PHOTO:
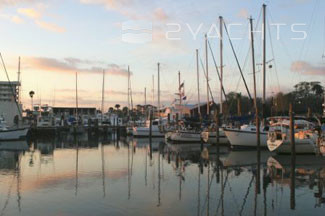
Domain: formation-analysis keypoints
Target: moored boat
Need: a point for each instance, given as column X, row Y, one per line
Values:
column 246, row 136
column 211, row 137
column 145, row 131
column 184, row 136
column 305, row 138
column 11, row 133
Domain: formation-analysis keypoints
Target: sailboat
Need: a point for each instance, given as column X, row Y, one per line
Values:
column 245, row 136
column 77, row 128
column 186, row 135
column 210, row 136
column 156, row 124
column 305, row 138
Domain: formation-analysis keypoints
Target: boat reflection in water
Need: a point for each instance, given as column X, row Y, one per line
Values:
column 85, row 175
column 308, row 173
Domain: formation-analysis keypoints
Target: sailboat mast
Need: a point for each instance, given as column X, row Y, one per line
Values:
column 207, row 72
column 253, row 60
column 145, row 96
column 18, row 98
column 128, row 91
column 264, row 59
column 103, row 90
column 198, row 83
column 159, row 90
column 77, row 97
column 221, row 62
column 179, row 88
column 153, row 89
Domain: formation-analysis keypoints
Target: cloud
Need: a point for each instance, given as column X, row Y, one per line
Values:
column 13, row 18
column 17, row 20
column 302, row 1
column 109, row 4
column 29, row 12
column 306, row 68
column 243, row 13
column 6, row 3
column 160, row 14
column 72, row 65
column 36, row 14
column 49, row 26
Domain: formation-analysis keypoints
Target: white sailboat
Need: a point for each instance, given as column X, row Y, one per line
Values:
column 305, row 138
column 210, row 136
column 77, row 128
column 184, row 136
column 245, row 136
column 145, row 131
column 156, row 125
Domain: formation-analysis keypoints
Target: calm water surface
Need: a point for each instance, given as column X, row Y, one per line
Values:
column 83, row 176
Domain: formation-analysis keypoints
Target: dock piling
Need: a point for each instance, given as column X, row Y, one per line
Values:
column 293, row 158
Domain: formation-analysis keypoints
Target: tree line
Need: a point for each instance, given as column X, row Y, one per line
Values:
column 306, row 98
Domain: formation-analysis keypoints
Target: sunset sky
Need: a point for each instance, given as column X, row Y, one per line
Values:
column 57, row 38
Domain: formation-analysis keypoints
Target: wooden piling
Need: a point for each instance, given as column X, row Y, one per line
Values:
column 218, row 144
column 309, row 113
column 150, row 135
column 258, row 145
column 293, row 159
column 238, row 105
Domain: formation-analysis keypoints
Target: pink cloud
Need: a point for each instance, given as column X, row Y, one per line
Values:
column 50, row 26
column 29, row 12
column 72, row 65
column 160, row 14
column 306, row 68
column 243, row 13
column 109, row 4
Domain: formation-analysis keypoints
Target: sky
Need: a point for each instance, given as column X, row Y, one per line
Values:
column 57, row 39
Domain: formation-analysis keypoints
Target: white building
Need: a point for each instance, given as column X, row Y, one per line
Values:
column 9, row 96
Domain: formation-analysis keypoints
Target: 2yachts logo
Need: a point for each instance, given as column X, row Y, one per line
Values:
column 141, row 31
column 137, row 31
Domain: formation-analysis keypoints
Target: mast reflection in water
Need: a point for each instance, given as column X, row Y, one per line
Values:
column 81, row 175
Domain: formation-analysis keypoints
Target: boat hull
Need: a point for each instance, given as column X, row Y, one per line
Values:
column 211, row 137
column 302, row 146
column 145, row 132
column 184, row 137
column 13, row 134
column 245, row 139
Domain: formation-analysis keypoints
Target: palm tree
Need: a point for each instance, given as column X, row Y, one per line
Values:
column 111, row 110
column 31, row 94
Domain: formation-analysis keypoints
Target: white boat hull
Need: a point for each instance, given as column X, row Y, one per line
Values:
column 145, row 132
column 13, row 134
column 184, row 137
column 240, row 138
column 211, row 137
column 302, row 146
